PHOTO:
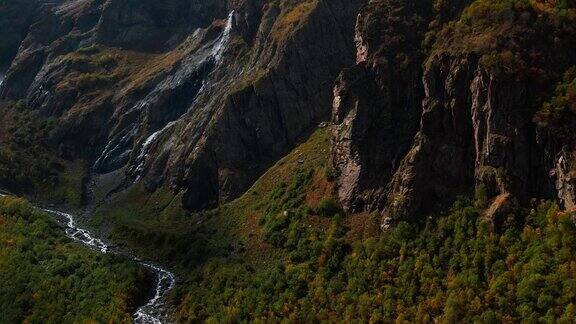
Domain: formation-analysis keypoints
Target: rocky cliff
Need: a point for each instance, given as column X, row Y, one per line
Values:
column 201, row 97
column 430, row 99
column 484, row 78
column 377, row 102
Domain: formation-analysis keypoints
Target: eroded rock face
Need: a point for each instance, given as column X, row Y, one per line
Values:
column 565, row 180
column 377, row 102
column 475, row 116
column 256, row 123
column 200, row 96
column 204, row 96
column 477, row 129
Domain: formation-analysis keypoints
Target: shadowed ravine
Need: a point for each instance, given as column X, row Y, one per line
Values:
column 154, row 310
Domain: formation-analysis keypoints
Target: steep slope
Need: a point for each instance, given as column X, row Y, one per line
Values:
column 377, row 102
column 284, row 250
column 477, row 125
column 485, row 76
column 453, row 121
column 15, row 19
column 200, row 98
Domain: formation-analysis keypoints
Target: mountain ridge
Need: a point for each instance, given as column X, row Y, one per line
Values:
column 311, row 160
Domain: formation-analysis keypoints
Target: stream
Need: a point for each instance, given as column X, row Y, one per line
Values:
column 154, row 311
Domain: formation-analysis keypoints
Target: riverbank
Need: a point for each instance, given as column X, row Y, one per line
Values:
column 46, row 277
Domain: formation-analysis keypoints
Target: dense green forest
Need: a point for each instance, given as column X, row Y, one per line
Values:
column 46, row 278
column 453, row 268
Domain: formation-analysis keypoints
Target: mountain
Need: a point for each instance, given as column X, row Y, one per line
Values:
column 197, row 97
column 344, row 148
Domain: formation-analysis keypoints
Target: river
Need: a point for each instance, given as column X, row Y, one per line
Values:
column 154, row 311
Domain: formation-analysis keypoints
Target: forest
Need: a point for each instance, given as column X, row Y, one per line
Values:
column 457, row 267
column 47, row 278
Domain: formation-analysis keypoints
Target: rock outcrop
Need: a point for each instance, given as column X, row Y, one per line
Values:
column 377, row 103
column 481, row 92
column 564, row 177
column 477, row 123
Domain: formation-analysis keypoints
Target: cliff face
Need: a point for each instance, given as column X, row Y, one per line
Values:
column 377, row 102
column 477, row 125
column 433, row 99
column 274, row 94
column 198, row 96
column 485, row 78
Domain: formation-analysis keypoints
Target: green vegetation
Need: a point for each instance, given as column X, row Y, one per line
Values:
column 46, row 278
column 153, row 224
column 28, row 166
column 558, row 113
column 284, row 257
column 284, row 222
column 285, row 250
column 489, row 13
column 490, row 26
column 156, row 226
column 453, row 269
column 23, row 162
column 88, row 50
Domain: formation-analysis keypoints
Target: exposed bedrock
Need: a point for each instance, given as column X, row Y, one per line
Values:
column 414, row 132
column 377, row 103
column 200, row 96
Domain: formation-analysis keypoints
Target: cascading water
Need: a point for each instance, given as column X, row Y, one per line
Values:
column 220, row 47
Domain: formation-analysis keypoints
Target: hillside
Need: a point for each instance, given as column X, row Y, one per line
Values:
column 285, row 249
column 308, row 160
column 47, row 278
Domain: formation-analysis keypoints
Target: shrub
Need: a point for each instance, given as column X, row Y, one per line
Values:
column 328, row 207
column 558, row 113
column 89, row 50
column 106, row 61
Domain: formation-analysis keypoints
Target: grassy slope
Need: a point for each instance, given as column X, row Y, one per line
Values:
column 236, row 237
column 44, row 277
column 280, row 252
column 157, row 226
